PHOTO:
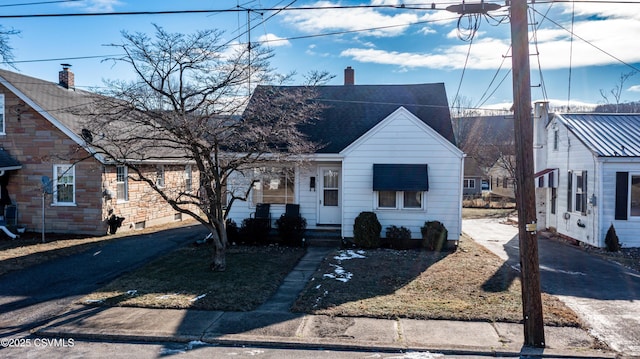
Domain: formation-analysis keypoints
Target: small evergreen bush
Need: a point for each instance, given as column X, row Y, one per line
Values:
column 395, row 233
column 233, row 232
column 434, row 235
column 254, row 230
column 366, row 230
column 611, row 240
column 291, row 229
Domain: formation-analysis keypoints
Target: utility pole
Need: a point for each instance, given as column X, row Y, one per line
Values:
column 525, row 190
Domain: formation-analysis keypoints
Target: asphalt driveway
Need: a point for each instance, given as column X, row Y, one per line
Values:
column 37, row 294
column 605, row 294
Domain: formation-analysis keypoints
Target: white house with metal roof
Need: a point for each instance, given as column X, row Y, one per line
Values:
column 588, row 175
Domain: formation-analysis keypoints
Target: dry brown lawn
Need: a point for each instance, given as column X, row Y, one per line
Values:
column 470, row 284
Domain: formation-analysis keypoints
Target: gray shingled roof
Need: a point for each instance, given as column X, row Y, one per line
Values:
column 606, row 135
column 352, row 110
column 52, row 98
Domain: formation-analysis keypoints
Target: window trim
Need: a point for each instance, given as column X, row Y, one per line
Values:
column 125, row 184
column 188, row 178
column 468, row 181
column 160, row 176
column 630, row 215
column 572, row 192
column 67, row 168
column 399, row 201
column 3, row 118
column 259, row 174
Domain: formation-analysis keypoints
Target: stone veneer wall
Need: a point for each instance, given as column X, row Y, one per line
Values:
column 38, row 146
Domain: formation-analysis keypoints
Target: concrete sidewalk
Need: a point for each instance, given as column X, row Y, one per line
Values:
column 273, row 325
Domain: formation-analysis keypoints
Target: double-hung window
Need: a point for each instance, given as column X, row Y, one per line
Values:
column 400, row 186
column 64, row 184
column 469, row 183
column 577, row 192
column 122, row 186
column 2, row 117
column 188, row 178
column 627, row 201
column 160, row 176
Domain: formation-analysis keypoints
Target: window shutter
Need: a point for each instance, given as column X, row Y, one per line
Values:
column 570, row 191
column 622, row 195
column 584, row 192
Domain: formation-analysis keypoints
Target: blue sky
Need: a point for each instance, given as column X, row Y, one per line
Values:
column 384, row 45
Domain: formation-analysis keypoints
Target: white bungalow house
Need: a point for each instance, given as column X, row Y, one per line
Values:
column 588, row 175
column 388, row 149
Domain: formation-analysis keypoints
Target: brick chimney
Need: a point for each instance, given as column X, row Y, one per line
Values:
column 65, row 77
column 349, row 76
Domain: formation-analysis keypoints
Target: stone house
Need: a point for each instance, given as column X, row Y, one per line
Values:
column 50, row 176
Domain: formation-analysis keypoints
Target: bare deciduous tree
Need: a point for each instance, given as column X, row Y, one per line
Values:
column 616, row 91
column 185, row 106
column 6, row 51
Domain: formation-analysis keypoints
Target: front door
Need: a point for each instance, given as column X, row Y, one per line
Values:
column 330, row 209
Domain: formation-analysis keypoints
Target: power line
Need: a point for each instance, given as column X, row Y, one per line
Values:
column 333, row 33
column 40, row 3
column 212, row 11
column 590, row 43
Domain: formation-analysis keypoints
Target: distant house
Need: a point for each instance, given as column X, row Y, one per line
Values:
column 588, row 175
column 473, row 178
column 44, row 153
column 501, row 177
column 488, row 142
column 388, row 149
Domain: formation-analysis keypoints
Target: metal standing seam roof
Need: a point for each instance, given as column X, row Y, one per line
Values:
column 606, row 135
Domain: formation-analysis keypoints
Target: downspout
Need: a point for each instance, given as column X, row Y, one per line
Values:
column 597, row 238
column 461, row 182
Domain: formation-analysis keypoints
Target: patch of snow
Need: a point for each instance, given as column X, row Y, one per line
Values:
column 344, row 255
column 167, row 351
column 94, row 301
column 560, row 271
column 199, row 297
column 417, row 355
column 195, row 343
column 254, row 352
column 339, row 274
column 326, row 292
column 318, row 286
column 132, row 292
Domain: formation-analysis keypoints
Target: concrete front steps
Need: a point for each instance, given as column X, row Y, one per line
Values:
column 323, row 236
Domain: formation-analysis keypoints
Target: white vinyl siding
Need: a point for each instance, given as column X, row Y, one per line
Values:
column 418, row 144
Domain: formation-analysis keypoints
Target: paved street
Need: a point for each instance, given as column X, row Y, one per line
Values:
column 38, row 294
column 604, row 294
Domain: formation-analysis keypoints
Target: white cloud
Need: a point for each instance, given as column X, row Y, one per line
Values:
column 324, row 20
column 634, row 88
column 273, row 40
column 486, row 54
column 95, row 5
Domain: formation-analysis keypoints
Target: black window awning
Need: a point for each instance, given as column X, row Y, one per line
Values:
column 7, row 162
column 400, row 177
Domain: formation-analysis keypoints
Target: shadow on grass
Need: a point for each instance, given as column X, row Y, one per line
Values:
column 179, row 280
column 352, row 276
